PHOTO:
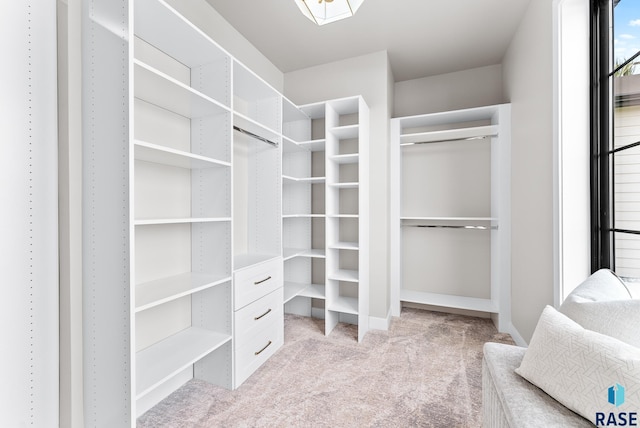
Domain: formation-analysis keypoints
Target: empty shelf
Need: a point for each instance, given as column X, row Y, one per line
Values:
column 448, row 301
column 295, row 289
column 290, row 253
column 449, row 135
column 346, row 132
column 345, row 185
column 185, row 42
column 303, row 216
column 456, row 219
column 346, row 305
column 346, row 275
column 312, row 180
column 153, row 293
column 159, row 362
column 346, row 159
column 167, row 156
column 149, row 222
column 345, row 246
column 164, row 91
column 241, row 261
column 255, row 127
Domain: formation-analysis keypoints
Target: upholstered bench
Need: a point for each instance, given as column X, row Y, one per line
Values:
column 601, row 313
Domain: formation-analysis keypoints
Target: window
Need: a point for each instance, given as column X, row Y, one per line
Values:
column 615, row 169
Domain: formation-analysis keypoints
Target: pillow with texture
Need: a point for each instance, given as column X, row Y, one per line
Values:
column 578, row 366
column 615, row 318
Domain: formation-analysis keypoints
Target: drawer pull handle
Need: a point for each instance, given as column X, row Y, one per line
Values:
column 260, row 351
column 260, row 282
column 257, row 318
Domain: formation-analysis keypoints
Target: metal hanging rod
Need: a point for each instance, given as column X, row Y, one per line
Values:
column 445, row 226
column 256, row 136
column 479, row 137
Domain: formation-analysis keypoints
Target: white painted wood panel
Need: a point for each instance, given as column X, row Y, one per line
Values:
column 29, row 217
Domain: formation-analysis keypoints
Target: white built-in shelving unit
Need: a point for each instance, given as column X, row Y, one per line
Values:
column 258, row 304
column 325, row 211
column 181, row 215
column 450, row 215
column 35, row 280
column 183, row 210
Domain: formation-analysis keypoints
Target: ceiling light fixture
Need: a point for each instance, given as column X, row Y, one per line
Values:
column 326, row 11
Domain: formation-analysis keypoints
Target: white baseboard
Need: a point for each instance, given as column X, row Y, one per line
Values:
column 513, row 331
column 376, row 323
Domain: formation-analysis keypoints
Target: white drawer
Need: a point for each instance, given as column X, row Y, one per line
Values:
column 258, row 315
column 253, row 282
column 261, row 345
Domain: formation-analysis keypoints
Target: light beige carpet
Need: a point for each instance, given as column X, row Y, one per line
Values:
column 424, row 372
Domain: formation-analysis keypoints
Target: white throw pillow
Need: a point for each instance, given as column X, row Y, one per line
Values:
column 577, row 367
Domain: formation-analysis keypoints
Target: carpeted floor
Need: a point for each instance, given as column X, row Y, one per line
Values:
column 424, row 372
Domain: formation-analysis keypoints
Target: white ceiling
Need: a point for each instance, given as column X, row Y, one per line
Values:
column 422, row 37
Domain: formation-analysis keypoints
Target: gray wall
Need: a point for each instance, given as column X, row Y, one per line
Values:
column 463, row 89
column 528, row 84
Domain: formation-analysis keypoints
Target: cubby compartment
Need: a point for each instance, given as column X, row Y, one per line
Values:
column 208, row 66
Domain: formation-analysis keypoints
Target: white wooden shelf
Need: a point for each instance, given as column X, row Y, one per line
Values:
column 345, row 305
column 149, row 152
column 346, row 132
column 345, row 185
column 343, row 215
column 178, row 37
column 290, row 145
column 345, row 246
column 349, row 158
column 295, row 289
column 164, row 91
column 448, row 134
column 158, row 363
column 456, row 219
column 241, row 261
column 304, row 216
column 248, row 124
column 159, row 221
column 448, row 301
column 154, row 293
column 311, row 180
column 346, row 275
column 289, row 253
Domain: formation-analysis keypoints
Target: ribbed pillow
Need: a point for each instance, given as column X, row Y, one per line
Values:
column 578, row 366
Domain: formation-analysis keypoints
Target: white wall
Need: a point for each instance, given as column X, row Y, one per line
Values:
column 212, row 23
column 463, row 89
column 368, row 76
column 528, row 84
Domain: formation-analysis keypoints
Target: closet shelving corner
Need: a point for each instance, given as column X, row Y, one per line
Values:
column 303, row 209
column 347, row 209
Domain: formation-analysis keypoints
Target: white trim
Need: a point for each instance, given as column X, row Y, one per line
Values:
column 377, row 323
column 571, row 261
column 515, row 335
column 557, row 156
